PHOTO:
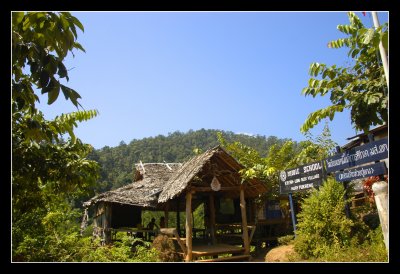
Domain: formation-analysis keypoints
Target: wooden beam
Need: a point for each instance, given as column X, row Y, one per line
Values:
column 244, row 223
column 211, row 208
column 253, row 229
column 208, row 189
column 107, row 223
column 189, row 226
column 178, row 217
column 166, row 214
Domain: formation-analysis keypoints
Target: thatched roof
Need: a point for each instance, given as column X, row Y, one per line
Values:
column 215, row 162
column 157, row 183
column 149, row 182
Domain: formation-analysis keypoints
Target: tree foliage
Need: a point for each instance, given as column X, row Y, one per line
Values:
column 48, row 172
column 117, row 163
column 360, row 87
column 40, row 42
column 280, row 156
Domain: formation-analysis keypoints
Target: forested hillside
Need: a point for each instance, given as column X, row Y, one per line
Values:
column 117, row 163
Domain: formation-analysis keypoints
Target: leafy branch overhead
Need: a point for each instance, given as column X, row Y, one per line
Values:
column 360, row 87
column 40, row 42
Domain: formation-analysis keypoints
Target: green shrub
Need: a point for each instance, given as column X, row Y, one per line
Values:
column 371, row 250
column 285, row 240
column 322, row 224
column 127, row 250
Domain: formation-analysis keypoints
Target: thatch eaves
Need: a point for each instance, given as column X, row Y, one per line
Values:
column 213, row 162
column 149, row 182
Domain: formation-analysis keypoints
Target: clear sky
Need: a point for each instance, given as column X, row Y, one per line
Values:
column 151, row 73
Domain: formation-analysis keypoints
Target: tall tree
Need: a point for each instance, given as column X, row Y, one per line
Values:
column 44, row 165
column 360, row 87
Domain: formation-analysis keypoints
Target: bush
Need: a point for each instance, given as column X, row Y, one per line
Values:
column 128, row 250
column 371, row 250
column 285, row 240
column 322, row 224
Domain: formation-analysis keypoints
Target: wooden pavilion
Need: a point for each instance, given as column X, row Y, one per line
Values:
column 211, row 178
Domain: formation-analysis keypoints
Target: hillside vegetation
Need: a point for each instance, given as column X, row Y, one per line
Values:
column 117, row 163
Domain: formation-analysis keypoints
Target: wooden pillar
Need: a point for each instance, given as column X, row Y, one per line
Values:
column 107, row 223
column 211, row 208
column 189, row 226
column 244, row 223
column 166, row 214
column 178, row 218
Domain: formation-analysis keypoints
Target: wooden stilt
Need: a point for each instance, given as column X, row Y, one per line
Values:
column 178, row 217
column 244, row 223
column 189, row 226
column 166, row 215
column 212, row 218
column 107, row 223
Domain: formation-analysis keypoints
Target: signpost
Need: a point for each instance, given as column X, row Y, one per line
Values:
column 301, row 178
column 361, row 172
column 311, row 175
column 370, row 152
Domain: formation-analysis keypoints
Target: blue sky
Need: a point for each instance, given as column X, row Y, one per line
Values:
column 151, row 73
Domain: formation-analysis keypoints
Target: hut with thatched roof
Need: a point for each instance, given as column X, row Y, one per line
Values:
column 211, row 178
column 122, row 207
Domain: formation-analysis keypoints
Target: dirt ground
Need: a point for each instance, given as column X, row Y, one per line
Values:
column 276, row 254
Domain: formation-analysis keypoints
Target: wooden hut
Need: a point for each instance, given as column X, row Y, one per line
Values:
column 211, row 178
column 121, row 209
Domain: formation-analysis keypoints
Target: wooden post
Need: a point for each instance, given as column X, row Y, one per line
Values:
column 244, row 223
column 178, row 218
column 189, row 226
column 292, row 211
column 107, row 223
column 166, row 214
column 212, row 218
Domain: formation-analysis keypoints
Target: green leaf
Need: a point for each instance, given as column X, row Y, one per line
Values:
column 26, row 24
column 332, row 74
column 368, row 36
column 77, row 23
column 384, row 39
column 315, row 117
column 355, row 52
column 325, row 73
column 62, row 70
column 70, row 94
column 53, row 94
column 79, row 46
column 51, row 66
column 17, row 18
column 44, row 79
column 64, row 22
column 72, row 27
column 66, row 91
